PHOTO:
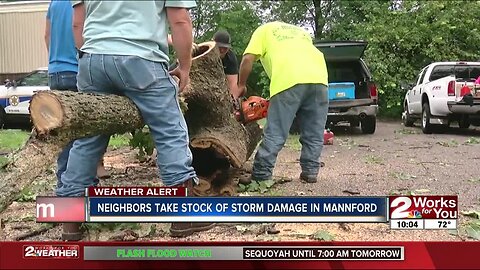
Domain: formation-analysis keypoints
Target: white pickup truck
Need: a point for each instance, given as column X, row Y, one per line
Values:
column 444, row 92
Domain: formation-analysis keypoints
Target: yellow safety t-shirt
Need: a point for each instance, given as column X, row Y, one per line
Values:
column 288, row 56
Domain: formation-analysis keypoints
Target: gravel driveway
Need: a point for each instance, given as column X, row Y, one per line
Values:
column 394, row 160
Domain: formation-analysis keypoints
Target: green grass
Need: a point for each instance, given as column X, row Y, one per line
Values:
column 293, row 143
column 12, row 139
column 118, row 141
column 3, row 162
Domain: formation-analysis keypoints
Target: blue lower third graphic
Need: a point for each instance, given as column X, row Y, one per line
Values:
column 237, row 209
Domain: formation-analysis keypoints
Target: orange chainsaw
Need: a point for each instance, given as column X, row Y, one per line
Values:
column 251, row 109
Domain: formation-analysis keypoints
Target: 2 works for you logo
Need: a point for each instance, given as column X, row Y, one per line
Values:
column 51, row 251
column 425, row 207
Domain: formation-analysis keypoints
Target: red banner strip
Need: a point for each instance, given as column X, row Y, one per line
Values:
column 418, row 255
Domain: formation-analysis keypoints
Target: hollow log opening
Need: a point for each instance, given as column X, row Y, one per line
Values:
column 203, row 49
column 211, row 165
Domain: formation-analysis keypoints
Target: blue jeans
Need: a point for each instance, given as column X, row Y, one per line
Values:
column 66, row 80
column 310, row 103
column 154, row 92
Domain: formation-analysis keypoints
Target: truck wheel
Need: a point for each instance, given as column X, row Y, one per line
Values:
column 407, row 118
column 3, row 116
column 427, row 128
column 368, row 124
column 354, row 123
column 464, row 122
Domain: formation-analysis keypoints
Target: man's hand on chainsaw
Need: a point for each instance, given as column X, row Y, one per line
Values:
column 251, row 109
column 242, row 90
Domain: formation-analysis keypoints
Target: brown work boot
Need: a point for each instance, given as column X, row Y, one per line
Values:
column 72, row 232
column 308, row 178
column 245, row 180
column 184, row 229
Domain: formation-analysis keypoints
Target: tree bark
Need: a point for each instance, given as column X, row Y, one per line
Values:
column 60, row 117
column 30, row 162
column 65, row 116
column 210, row 116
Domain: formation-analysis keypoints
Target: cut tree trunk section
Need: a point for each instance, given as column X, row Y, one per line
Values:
column 217, row 140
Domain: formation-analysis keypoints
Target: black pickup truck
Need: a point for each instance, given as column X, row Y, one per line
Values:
column 345, row 64
column 346, row 68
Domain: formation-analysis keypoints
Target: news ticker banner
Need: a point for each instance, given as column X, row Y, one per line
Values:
column 208, row 255
column 229, row 253
column 160, row 204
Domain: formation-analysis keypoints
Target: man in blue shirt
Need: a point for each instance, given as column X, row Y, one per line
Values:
column 62, row 57
column 63, row 65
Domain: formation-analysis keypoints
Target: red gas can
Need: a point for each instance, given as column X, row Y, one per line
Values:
column 328, row 137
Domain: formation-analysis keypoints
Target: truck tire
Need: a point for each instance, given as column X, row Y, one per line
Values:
column 427, row 128
column 464, row 122
column 368, row 124
column 354, row 123
column 3, row 117
column 407, row 118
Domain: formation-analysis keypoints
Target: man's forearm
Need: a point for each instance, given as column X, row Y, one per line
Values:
column 47, row 43
column 232, row 81
column 181, row 35
column 182, row 42
column 78, row 22
column 245, row 69
column 47, row 35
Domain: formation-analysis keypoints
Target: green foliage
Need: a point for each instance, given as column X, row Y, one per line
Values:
column 403, row 36
column 142, row 140
column 472, row 140
column 407, row 36
column 323, row 236
column 118, row 141
column 257, row 186
column 472, row 214
column 27, row 195
column 3, row 162
column 371, row 159
column 315, row 15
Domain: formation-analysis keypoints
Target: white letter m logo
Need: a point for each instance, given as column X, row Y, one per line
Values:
column 43, row 210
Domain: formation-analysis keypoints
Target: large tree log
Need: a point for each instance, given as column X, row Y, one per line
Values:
column 60, row 117
column 210, row 116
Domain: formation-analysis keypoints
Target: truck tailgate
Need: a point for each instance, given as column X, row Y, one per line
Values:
column 473, row 89
column 340, row 104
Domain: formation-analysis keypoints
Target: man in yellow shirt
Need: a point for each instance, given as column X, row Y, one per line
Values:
column 298, row 86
